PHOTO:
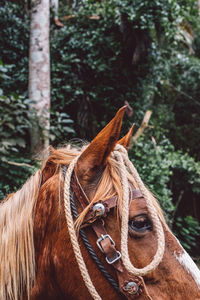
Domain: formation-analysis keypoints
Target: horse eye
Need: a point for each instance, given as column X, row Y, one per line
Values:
column 140, row 223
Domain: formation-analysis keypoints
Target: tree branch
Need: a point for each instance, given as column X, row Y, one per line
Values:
column 142, row 127
column 18, row 164
column 93, row 17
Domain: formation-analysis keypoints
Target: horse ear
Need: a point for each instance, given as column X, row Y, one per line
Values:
column 126, row 140
column 95, row 155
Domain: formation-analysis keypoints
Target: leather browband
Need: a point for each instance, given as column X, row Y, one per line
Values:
column 110, row 203
column 130, row 285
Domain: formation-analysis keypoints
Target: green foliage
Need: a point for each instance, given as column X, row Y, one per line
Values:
column 14, row 46
column 166, row 172
column 188, row 231
column 157, row 165
column 85, row 68
column 188, row 169
column 61, row 125
column 14, row 124
column 153, row 165
column 175, row 94
column 14, row 117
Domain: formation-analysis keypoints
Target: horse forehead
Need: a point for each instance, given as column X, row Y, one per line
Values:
column 137, row 206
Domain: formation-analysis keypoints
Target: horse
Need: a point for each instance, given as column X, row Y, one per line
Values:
column 85, row 226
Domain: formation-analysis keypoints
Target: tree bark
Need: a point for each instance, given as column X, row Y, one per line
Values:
column 39, row 75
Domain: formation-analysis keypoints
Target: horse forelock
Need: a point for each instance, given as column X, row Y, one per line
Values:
column 17, row 255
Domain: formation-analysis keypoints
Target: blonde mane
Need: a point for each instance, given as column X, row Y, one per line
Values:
column 17, row 256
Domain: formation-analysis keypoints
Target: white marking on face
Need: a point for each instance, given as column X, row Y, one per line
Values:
column 185, row 260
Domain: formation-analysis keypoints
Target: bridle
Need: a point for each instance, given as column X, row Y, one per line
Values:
column 130, row 285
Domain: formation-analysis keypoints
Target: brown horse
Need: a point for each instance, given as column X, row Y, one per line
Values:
column 42, row 255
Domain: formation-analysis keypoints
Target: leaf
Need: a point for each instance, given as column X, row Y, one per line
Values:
column 68, row 129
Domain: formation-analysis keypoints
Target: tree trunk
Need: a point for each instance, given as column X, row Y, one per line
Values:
column 39, row 75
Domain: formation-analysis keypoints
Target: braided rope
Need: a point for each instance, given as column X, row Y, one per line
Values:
column 120, row 154
column 72, row 233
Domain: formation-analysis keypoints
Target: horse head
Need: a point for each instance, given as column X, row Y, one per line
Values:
column 98, row 232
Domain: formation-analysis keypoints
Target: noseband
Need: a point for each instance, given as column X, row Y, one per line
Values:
column 131, row 283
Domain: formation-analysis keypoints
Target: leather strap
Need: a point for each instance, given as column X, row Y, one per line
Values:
column 108, row 204
column 92, row 215
column 107, row 245
column 79, row 192
column 131, row 286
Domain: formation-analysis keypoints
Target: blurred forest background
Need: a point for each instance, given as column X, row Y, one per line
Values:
column 104, row 53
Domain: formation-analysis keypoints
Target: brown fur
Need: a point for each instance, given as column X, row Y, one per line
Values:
column 126, row 140
column 57, row 273
column 58, row 276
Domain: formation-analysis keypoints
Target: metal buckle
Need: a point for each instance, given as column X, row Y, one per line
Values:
column 109, row 260
column 103, row 237
column 112, row 260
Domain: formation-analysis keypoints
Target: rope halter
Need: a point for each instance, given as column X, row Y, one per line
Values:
column 119, row 154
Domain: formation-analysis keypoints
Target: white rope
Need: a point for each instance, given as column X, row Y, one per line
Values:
column 72, row 233
column 120, row 154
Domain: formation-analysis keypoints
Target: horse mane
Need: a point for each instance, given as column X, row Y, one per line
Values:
column 17, row 255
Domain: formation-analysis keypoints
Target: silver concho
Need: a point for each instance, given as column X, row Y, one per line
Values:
column 131, row 287
column 99, row 209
